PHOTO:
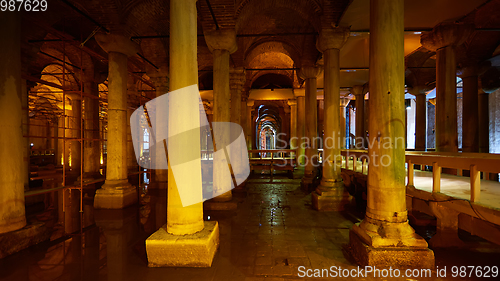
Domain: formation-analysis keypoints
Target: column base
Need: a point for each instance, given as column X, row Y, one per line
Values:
column 115, row 195
column 330, row 198
column 194, row 250
column 371, row 249
column 13, row 224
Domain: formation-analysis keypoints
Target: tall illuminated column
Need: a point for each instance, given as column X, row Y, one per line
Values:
column 12, row 214
column 293, row 123
column 443, row 39
column 301, row 119
column 75, row 132
column 309, row 73
column 236, row 81
column 92, row 145
column 331, row 195
column 359, row 93
column 384, row 238
column 470, row 114
column 221, row 43
column 186, row 240
column 117, row 192
column 343, row 104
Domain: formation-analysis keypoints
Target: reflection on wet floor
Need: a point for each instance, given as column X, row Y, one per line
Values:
column 273, row 232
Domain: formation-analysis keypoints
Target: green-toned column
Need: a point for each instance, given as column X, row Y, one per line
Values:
column 359, row 93
column 301, row 119
column 384, row 238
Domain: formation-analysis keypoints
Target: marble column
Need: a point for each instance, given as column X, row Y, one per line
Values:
column 186, row 240
column 420, row 117
column 293, row 123
column 117, row 192
column 236, row 81
column 221, row 43
column 443, row 39
column 359, row 94
column 384, row 238
column 470, row 113
column 12, row 216
column 301, row 119
column 342, row 112
column 160, row 80
column 331, row 195
column 75, row 125
column 92, row 146
column 310, row 73
column 250, row 128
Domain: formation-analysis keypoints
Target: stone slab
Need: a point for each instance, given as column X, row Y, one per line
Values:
column 325, row 203
column 115, row 199
column 395, row 257
column 194, row 250
column 15, row 241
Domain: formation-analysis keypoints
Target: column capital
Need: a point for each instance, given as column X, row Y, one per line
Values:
column 308, row 72
column 344, row 102
column 299, row 92
column 250, row 102
column 489, row 82
column 221, row 39
column 446, row 34
column 332, row 38
column 237, row 77
column 418, row 90
column 357, row 91
column 292, row 102
column 117, row 44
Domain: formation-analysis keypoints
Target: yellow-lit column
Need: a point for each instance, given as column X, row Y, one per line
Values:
column 331, row 195
column 75, row 124
column 420, row 117
column 250, row 127
column 186, row 240
column 92, row 145
column 221, row 43
column 160, row 80
column 236, row 81
column 443, row 39
column 301, row 119
column 293, row 123
column 359, row 94
column 12, row 146
column 343, row 104
column 309, row 73
column 384, row 238
column 117, row 192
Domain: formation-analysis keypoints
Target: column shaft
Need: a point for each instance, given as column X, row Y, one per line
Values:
column 293, row 125
column 301, row 117
column 484, row 123
column 76, row 126
column 446, row 100
column 420, row 123
column 311, row 129
column 470, row 114
column 92, row 146
column 360, row 121
column 12, row 146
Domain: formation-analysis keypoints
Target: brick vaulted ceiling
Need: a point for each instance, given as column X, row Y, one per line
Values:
column 275, row 37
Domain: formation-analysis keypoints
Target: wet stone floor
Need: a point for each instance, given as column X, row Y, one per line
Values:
column 272, row 234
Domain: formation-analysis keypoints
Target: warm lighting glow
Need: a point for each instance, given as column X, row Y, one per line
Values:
column 102, row 159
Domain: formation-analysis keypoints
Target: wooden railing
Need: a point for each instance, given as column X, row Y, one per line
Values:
column 474, row 162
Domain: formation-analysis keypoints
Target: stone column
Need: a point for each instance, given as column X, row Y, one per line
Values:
column 359, row 94
column 237, row 79
column 12, row 216
column 221, row 43
column 132, row 165
column 160, row 80
column 420, row 117
column 331, row 195
column 293, row 123
column 117, row 192
column 92, row 146
column 384, row 238
column 443, row 40
column 343, row 104
column 470, row 113
column 484, row 122
column 301, row 119
column 75, row 125
column 186, row 240
column 250, row 127
column 310, row 73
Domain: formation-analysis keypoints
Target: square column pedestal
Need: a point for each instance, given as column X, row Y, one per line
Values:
column 334, row 199
column 113, row 197
column 193, row 250
column 373, row 250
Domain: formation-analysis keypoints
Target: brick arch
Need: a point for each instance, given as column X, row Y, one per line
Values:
column 311, row 6
column 254, row 76
column 272, row 45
